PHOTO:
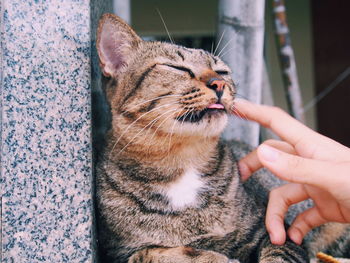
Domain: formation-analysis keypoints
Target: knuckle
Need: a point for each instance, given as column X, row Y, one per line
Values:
column 280, row 198
column 274, row 193
column 274, row 114
column 288, row 201
column 294, row 162
column 304, row 223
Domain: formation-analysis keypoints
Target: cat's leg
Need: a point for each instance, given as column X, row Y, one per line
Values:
column 289, row 252
column 178, row 254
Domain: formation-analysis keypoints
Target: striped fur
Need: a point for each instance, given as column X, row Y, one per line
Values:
column 168, row 189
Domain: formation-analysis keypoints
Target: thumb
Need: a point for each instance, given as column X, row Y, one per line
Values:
column 294, row 168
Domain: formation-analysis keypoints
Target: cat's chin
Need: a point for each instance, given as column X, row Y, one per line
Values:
column 211, row 123
column 204, row 115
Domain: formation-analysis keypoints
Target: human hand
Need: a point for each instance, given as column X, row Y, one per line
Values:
column 316, row 167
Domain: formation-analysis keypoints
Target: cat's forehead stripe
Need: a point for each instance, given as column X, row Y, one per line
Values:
column 180, row 55
column 139, row 82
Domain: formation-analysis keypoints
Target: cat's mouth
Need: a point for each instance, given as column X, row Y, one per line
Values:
column 214, row 109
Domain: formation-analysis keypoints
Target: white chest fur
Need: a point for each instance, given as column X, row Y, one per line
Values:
column 184, row 191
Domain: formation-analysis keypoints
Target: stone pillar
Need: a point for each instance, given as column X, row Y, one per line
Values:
column 241, row 30
column 122, row 8
column 46, row 151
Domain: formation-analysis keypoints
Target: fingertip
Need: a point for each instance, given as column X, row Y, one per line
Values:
column 276, row 232
column 240, row 100
column 242, row 104
column 295, row 235
column 268, row 153
column 244, row 171
column 277, row 237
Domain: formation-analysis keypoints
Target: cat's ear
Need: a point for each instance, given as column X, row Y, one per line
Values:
column 116, row 41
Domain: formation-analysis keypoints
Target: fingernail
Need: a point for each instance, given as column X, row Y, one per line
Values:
column 272, row 238
column 240, row 101
column 268, row 153
column 244, row 171
column 277, row 238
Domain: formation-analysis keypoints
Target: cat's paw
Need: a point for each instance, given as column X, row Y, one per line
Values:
column 214, row 257
column 202, row 256
column 179, row 254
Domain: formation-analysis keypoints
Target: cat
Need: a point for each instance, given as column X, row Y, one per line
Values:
column 168, row 188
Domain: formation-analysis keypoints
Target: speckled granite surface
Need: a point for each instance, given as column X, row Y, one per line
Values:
column 46, row 163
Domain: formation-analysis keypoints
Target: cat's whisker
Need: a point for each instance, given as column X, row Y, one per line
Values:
column 241, row 96
column 239, row 114
column 220, row 53
column 192, row 113
column 225, row 46
column 217, row 46
column 127, row 129
column 166, row 28
column 154, row 133
column 185, row 116
column 227, row 51
column 160, row 125
column 137, row 134
column 150, row 100
column 171, row 132
column 151, row 138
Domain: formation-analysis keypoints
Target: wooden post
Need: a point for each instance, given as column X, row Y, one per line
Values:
column 287, row 61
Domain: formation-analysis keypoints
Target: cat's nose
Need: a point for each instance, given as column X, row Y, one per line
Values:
column 216, row 84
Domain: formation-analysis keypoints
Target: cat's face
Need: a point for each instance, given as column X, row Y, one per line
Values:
column 164, row 86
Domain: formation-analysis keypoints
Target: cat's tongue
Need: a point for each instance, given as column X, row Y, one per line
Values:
column 216, row 106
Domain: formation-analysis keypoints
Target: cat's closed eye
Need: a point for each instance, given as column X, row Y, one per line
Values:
column 181, row 68
column 222, row 72
column 190, row 72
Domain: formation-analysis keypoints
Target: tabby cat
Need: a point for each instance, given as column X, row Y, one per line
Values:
column 168, row 187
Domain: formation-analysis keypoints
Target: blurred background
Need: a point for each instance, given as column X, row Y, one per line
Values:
column 319, row 31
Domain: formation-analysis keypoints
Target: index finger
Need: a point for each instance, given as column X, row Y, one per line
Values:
column 285, row 126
